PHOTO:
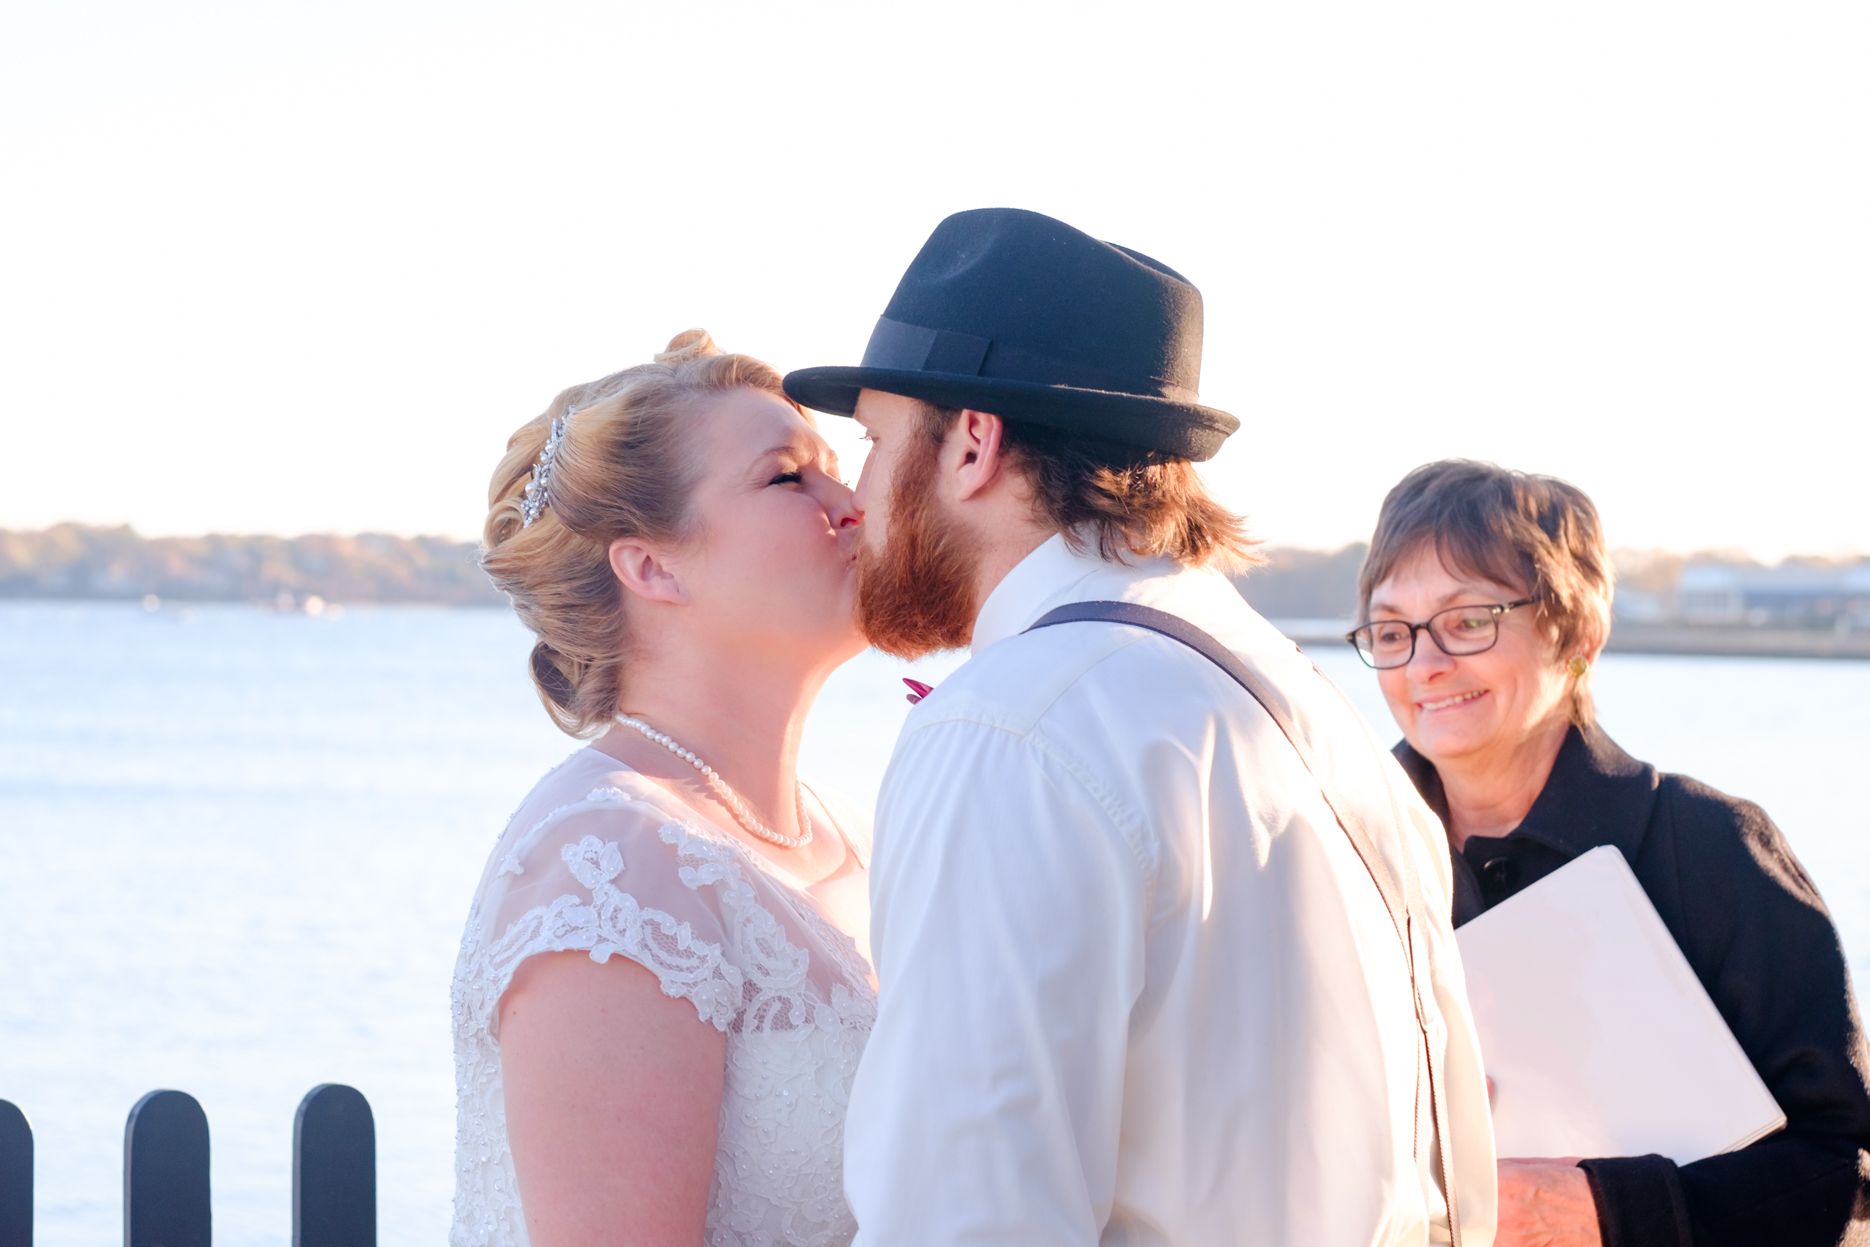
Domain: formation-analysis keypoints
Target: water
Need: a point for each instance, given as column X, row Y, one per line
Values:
column 236, row 849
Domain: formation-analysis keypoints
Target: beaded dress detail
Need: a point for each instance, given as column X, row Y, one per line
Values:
column 599, row 859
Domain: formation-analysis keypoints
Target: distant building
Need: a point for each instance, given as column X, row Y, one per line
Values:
column 1790, row 595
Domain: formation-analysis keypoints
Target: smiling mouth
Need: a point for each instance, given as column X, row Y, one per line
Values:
column 1446, row 702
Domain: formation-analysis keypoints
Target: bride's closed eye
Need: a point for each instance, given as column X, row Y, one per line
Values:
column 788, row 478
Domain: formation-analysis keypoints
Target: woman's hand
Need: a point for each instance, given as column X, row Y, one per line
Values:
column 1546, row 1203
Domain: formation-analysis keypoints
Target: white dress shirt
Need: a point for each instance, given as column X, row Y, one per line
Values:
column 1137, row 985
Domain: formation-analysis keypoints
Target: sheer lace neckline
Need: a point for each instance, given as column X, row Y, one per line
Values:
column 683, row 812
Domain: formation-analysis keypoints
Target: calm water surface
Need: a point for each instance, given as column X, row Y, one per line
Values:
column 236, row 849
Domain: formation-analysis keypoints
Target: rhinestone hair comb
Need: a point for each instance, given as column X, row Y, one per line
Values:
column 538, row 488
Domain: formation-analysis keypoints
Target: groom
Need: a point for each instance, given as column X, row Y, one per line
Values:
column 1162, row 934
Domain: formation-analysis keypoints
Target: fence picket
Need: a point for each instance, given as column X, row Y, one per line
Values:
column 166, row 1198
column 165, row 1173
column 334, row 1169
column 15, row 1177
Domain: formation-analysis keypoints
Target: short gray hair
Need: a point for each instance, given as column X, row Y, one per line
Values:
column 1536, row 534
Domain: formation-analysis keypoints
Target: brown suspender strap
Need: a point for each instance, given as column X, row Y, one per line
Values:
column 1394, row 899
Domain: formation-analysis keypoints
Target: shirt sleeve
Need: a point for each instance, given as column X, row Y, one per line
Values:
column 1008, row 906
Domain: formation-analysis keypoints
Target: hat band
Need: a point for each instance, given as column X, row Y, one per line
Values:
column 899, row 347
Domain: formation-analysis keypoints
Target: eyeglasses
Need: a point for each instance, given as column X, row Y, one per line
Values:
column 1458, row 632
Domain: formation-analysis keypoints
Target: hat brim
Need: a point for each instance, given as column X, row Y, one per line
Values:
column 1185, row 430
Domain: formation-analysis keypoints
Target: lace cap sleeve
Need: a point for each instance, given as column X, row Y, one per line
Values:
column 601, row 874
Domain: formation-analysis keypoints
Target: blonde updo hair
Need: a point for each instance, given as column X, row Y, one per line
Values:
column 626, row 467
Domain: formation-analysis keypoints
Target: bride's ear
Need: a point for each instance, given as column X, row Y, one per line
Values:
column 643, row 570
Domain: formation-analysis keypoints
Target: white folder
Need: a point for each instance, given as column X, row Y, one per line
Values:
column 1598, row 1036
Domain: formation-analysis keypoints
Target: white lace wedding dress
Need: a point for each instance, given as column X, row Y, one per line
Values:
column 601, row 860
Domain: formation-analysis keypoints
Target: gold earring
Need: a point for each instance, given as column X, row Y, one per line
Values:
column 1578, row 666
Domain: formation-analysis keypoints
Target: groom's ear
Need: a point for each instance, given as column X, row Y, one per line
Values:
column 642, row 569
column 974, row 448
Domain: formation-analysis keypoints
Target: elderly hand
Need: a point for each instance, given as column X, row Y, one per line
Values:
column 1546, row 1203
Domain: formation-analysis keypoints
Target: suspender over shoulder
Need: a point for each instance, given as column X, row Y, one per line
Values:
column 1395, row 899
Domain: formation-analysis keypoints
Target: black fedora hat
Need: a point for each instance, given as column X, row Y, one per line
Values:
column 1023, row 316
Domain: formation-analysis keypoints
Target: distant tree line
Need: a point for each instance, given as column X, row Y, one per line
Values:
column 83, row 562
column 1294, row 583
column 78, row 561
column 1709, row 588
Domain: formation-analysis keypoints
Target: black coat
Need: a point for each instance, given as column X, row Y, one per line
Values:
column 1748, row 919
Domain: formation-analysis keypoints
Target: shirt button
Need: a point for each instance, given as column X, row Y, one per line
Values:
column 1499, row 874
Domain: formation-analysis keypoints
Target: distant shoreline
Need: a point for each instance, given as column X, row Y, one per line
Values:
column 1635, row 638
column 1739, row 642
column 1626, row 638
column 73, row 562
column 1690, row 604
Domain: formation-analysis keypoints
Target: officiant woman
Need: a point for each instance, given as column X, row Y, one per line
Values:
column 1485, row 602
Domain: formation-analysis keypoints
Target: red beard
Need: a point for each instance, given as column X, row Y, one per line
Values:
column 917, row 596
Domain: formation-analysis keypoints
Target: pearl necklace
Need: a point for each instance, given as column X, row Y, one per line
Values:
column 728, row 796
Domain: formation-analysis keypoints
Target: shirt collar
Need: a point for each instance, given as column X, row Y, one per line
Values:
column 1046, row 574
column 1596, row 795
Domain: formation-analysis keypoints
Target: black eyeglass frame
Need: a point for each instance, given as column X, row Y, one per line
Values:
column 1428, row 626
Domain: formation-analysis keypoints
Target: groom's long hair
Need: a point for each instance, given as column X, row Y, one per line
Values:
column 1129, row 502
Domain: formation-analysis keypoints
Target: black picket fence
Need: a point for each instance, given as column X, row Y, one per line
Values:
column 165, row 1172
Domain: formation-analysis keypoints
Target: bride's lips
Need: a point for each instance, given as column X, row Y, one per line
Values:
column 1450, row 702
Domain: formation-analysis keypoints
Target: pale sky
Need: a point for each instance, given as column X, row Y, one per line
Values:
column 295, row 267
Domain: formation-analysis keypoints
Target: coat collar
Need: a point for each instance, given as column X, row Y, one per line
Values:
column 1596, row 795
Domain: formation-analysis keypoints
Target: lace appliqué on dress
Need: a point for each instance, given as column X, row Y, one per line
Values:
column 792, row 1046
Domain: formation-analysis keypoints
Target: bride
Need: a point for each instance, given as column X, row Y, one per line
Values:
column 663, row 987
